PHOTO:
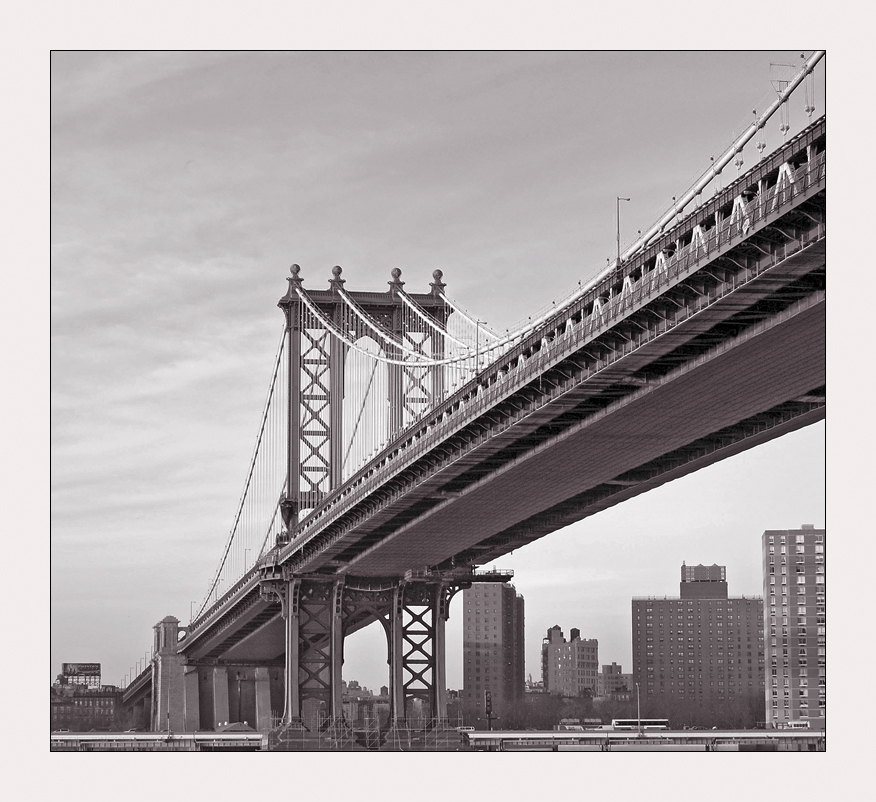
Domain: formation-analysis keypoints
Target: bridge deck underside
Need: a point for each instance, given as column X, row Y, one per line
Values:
column 646, row 406
column 756, row 375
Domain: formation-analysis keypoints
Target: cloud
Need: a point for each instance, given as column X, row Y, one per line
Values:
column 185, row 184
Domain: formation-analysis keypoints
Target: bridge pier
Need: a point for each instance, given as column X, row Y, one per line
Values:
column 262, row 698
column 418, row 684
column 220, row 709
column 313, row 626
column 214, row 694
column 287, row 592
column 192, row 700
column 168, row 692
column 319, row 612
column 396, row 663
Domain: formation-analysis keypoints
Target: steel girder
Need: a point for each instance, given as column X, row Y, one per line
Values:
column 319, row 612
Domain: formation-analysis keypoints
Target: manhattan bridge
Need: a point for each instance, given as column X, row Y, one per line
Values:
column 404, row 443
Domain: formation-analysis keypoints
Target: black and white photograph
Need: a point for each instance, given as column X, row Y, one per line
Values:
column 438, row 400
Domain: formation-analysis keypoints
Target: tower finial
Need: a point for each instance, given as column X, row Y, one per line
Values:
column 336, row 282
column 396, row 284
column 437, row 285
column 294, row 283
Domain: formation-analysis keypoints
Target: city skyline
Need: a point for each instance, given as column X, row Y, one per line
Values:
column 183, row 187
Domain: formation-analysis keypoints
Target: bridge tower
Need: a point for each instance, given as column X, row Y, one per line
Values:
column 321, row 332
column 322, row 328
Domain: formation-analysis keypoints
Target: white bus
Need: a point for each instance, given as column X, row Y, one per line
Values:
column 792, row 725
column 640, row 724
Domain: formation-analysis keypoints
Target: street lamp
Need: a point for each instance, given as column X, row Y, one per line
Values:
column 618, row 226
column 638, row 710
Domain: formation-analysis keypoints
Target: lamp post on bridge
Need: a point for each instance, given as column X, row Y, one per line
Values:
column 618, row 226
column 478, row 345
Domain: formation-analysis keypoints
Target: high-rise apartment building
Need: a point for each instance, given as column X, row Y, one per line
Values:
column 493, row 645
column 795, row 625
column 702, row 647
column 569, row 668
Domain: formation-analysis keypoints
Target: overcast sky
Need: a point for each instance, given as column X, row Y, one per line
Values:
column 185, row 184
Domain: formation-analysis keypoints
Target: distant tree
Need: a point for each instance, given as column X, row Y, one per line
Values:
column 742, row 712
column 614, row 708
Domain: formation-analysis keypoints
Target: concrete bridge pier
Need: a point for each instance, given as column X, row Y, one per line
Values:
column 192, row 696
column 187, row 697
column 168, row 692
column 218, row 694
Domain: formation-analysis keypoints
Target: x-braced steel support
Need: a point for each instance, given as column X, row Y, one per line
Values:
column 418, row 651
column 319, row 612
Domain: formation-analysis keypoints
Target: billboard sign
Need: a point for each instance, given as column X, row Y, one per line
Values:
column 80, row 669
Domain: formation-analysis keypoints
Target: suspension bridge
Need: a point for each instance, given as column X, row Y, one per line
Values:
column 404, row 443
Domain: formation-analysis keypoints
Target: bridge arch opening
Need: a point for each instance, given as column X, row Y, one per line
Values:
column 366, row 674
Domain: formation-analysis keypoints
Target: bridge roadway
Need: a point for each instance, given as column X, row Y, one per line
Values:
column 708, row 343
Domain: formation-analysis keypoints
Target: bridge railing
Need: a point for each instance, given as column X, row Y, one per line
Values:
column 228, row 597
column 561, row 335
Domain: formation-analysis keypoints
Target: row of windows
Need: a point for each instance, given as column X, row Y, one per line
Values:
column 797, row 538
column 799, row 548
column 87, row 703
column 803, row 705
column 800, row 568
column 799, row 559
column 719, row 686
column 819, row 611
column 718, row 612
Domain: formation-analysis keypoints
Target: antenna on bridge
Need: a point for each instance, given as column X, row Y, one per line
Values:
column 618, row 226
column 809, row 90
column 780, row 85
column 760, row 142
